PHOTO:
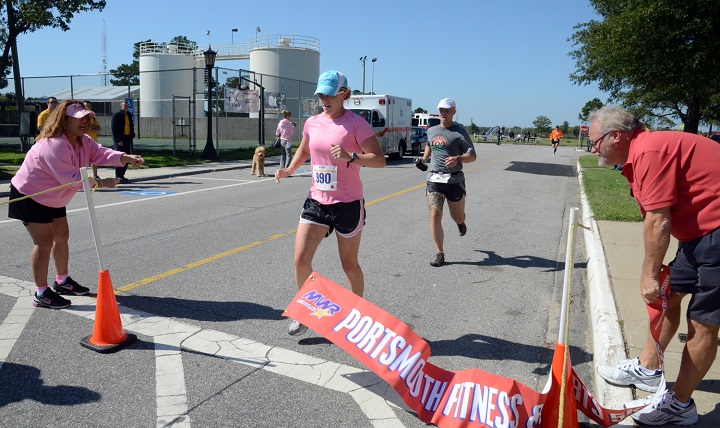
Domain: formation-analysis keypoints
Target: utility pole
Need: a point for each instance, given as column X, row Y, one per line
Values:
column 363, row 59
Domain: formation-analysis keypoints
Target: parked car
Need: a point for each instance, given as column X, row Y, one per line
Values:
column 418, row 137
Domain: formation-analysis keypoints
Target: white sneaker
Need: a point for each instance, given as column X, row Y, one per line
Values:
column 640, row 401
column 631, row 373
column 296, row 328
column 664, row 409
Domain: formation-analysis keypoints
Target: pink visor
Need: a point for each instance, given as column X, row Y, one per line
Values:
column 77, row 111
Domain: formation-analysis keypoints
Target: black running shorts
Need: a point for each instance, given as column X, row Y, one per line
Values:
column 348, row 218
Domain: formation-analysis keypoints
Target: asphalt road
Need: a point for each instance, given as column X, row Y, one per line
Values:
column 205, row 263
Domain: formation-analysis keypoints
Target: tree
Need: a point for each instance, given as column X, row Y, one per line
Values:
column 655, row 56
column 420, row 110
column 129, row 74
column 27, row 16
column 588, row 108
column 564, row 127
column 542, row 125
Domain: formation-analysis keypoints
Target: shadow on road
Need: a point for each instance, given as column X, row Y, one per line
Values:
column 200, row 310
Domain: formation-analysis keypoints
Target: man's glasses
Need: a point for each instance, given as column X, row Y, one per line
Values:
column 595, row 143
column 52, row 102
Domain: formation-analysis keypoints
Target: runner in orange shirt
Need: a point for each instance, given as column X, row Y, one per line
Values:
column 555, row 137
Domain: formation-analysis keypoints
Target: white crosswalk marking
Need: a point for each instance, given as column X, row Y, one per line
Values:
column 374, row 397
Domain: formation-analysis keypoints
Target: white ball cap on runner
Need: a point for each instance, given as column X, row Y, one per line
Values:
column 330, row 83
column 446, row 103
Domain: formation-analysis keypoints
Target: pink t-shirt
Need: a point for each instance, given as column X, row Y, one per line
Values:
column 335, row 180
column 677, row 170
column 52, row 162
column 285, row 130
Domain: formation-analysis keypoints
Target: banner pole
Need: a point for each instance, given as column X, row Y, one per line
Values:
column 93, row 221
column 572, row 225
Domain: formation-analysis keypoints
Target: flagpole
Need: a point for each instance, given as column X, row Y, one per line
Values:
column 572, row 225
column 93, row 220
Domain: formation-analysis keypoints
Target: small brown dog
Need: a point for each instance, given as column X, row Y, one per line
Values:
column 258, row 163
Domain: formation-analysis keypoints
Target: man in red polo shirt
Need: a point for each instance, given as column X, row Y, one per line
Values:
column 675, row 179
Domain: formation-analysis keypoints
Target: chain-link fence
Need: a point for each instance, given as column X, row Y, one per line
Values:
column 171, row 105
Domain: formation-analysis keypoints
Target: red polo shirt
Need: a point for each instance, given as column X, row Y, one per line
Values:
column 679, row 170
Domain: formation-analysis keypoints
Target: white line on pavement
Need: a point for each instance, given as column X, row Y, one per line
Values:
column 373, row 395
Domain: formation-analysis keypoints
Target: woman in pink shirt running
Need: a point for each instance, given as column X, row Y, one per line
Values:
column 338, row 143
column 61, row 149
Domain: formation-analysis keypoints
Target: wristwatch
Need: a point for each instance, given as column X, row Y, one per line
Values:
column 353, row 156
column 458, row 158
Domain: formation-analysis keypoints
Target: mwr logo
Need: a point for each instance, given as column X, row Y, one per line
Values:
column 317, row 303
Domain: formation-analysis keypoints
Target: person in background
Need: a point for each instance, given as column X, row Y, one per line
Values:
column 285, row 131
column 52, row 102
column 92, row 129
column 61, row 149
column 448, row 147
column 123, row 130
column 338, row 143
column 555, row 136
column 675, row 180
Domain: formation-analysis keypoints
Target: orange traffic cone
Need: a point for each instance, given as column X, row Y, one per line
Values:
column 560, row 409
column 108, row 334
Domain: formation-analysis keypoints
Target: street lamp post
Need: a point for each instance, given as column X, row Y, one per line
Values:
column 363, row 59
column 232, row 36
column 209, row 151
column 372, row 81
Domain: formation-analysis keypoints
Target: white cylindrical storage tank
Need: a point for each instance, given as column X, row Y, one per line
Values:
column 292, row 58
column 165, row 70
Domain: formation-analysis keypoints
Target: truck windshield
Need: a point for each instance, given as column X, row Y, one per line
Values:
column 365, row 114
column 433, row 121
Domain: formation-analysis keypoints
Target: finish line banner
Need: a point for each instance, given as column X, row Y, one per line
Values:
column 448, row 399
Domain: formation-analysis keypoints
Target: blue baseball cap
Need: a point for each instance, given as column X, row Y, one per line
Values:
column 330, row 83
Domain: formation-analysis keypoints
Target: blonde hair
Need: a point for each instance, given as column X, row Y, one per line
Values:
column 55, row 124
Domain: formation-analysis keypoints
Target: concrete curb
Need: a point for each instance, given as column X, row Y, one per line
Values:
column 609, row 346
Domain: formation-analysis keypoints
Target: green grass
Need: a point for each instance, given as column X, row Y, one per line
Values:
column 608, row 192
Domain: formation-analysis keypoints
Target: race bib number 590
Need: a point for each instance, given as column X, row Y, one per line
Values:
column 325, row 177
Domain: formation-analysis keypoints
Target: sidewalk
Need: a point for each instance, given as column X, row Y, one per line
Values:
column 624, row 250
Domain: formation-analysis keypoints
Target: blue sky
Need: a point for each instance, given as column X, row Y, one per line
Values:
column 505, row 62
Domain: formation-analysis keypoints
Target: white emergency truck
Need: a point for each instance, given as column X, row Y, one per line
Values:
column 389, row 117
column 425, row 120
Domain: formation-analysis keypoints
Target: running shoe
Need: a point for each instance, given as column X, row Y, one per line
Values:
column 665, row 409
column 462, row 228
column 70, row 287
column 631, row 373
column 439, row 260
column 640, row 401
column 50, row 299
column 296, row 328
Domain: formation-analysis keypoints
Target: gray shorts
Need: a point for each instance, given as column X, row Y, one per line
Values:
column 696, row 270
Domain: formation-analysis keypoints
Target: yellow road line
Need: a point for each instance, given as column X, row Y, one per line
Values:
column 171, row 272
column 204, row 261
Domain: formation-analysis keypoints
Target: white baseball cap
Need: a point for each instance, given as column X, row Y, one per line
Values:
column 446, row 103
